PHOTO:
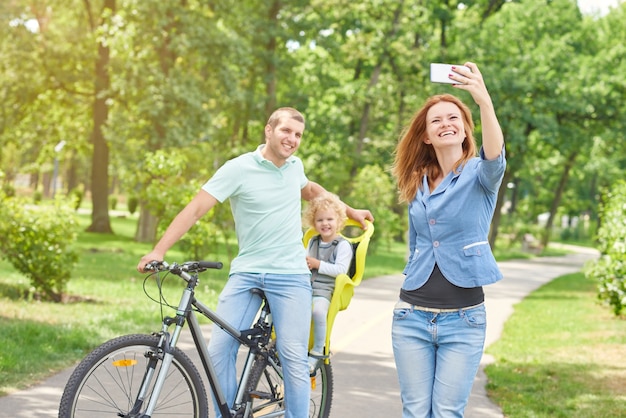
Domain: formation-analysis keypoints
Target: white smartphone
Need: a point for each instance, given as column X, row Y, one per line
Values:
column 439, row 73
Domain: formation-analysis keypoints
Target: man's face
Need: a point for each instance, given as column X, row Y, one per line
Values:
column 282, row 141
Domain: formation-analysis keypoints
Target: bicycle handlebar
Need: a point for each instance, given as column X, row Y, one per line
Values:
column 188, row 266
column 207, row 264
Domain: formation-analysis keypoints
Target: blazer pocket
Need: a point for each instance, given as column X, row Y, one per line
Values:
column 476, row 249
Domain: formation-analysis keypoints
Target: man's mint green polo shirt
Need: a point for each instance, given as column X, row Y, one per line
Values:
column 266, row 204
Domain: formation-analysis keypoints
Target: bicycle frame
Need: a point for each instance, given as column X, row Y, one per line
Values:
column 253, row 338
column 144, row 376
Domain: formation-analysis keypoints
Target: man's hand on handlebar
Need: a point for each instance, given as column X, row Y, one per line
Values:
column 147, row 259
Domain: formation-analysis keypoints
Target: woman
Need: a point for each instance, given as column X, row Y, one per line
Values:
column 439, row 322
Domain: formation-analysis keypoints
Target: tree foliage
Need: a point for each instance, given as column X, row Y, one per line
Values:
column 610, row 270
column 126, row 82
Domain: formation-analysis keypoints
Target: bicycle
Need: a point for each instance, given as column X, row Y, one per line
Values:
column 149, row 376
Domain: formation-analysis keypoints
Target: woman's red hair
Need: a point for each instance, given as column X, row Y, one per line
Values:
column 414, row 158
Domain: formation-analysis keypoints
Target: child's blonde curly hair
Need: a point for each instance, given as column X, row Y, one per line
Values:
column 326, row 201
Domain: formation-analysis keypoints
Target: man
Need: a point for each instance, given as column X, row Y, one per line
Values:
column 265, row 188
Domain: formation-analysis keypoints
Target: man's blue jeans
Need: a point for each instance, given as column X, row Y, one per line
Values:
column 437, row 356
column 289, row 297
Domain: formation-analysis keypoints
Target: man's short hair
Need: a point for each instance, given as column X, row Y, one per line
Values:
column 279, row 113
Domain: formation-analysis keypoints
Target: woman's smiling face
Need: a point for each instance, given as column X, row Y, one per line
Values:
column 444, row 125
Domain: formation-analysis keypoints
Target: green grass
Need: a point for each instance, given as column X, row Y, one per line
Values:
column 107, row 300
column 560, row 355
column 387, row 259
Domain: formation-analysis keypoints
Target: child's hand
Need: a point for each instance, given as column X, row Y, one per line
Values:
column 313, row 263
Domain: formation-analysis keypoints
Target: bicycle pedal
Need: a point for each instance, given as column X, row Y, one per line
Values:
column 318, row 356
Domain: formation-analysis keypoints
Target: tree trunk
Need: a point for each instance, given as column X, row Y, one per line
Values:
column 100, row 221
column 146, row 226
column 46, row 181
column 374, row 78
column 497, row 215
column 569, row 163
column 270, row 64
column 72, row 177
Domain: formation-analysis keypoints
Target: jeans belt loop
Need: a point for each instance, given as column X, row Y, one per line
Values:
column 405, row 305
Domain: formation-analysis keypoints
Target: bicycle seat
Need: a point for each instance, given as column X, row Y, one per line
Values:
column 257, row 291
column 345, row 283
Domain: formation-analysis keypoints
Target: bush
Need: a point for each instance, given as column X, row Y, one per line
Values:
column 374, row 189
column 37, row 241
column 113, row 202
column 8, row 190
column 76, row 196
column 133, row 202
column 610, row 269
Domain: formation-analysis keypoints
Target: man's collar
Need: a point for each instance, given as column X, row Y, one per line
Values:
column 258, row 156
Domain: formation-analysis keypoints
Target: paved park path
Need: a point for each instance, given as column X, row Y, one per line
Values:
column 365, row 378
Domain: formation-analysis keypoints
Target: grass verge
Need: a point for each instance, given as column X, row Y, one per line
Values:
column 561, row 354
column 39, row 338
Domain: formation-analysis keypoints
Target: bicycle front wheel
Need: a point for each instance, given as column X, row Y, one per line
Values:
column 265, row 390
column 108, row 382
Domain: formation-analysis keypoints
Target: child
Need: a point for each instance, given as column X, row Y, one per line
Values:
column 328, row 255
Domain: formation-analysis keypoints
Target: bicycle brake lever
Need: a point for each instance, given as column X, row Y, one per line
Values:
column 155, row 266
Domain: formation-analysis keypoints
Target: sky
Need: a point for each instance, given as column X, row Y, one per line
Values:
column 592, row 6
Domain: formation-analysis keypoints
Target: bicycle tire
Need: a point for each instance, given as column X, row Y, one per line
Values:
column 105, row 383
column 265, row 388
column 321, row 392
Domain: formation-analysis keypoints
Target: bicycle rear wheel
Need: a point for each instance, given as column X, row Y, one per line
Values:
column 266, row 388
column 321, row 392
column 107, row 382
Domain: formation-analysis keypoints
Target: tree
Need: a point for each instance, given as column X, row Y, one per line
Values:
column 536, row 86
column 163, row 91
column 197, row 80
column 100, row 221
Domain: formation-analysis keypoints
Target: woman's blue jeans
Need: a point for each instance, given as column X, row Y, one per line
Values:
column 437, row 357
column 289, row 297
